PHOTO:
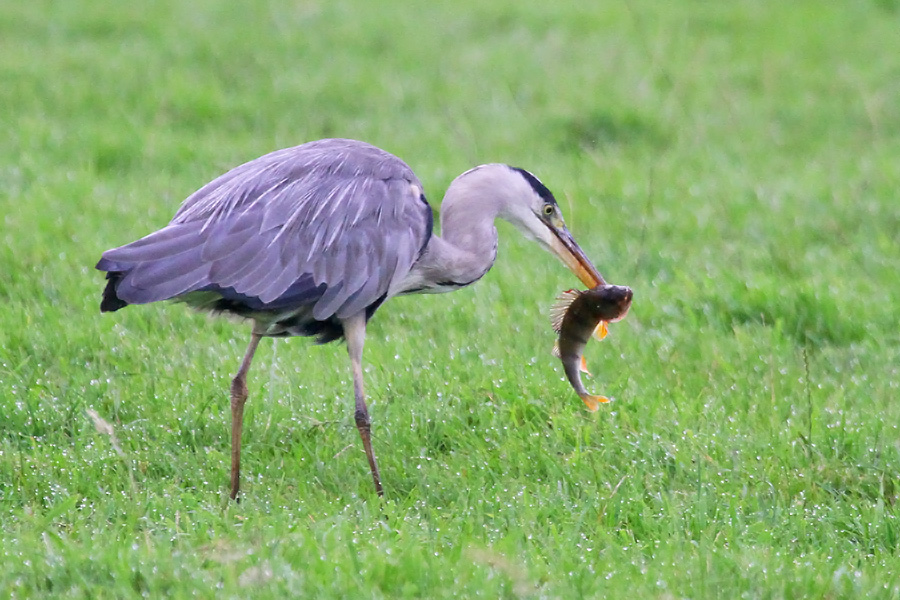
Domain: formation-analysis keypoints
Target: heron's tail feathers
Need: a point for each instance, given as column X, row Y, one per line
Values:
column 159, row 266
column 111, row 301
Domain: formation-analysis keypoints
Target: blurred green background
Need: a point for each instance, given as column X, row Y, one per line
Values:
column 736, row 163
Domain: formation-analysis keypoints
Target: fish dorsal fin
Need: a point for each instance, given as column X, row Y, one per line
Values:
column 558, row 310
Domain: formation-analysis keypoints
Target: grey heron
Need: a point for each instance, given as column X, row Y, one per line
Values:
column 311, row 240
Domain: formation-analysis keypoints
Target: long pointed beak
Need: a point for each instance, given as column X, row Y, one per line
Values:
column 568, row 251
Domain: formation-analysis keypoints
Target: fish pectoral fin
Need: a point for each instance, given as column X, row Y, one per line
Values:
column 555, row 350
column 583, row 368
column 602, row 330
column 593, row 402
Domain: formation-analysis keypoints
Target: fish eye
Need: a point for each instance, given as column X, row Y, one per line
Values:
column 548, row 210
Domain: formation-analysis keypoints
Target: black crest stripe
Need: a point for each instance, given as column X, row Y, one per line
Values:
column 539, row 188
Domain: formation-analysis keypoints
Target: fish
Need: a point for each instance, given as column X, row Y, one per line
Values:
column 578, row 315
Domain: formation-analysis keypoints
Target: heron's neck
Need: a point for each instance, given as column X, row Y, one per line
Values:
column 467, row 224
column 467, row 246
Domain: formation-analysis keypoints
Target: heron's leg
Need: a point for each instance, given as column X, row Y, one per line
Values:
column 238, row 398
column 355, row 334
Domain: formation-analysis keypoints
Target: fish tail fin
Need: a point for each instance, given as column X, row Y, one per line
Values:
column 602, row 330
column 558, row 310
column 593, row 402
column 583, row 367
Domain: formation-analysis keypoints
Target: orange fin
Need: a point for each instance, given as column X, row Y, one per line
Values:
column 602, row 330
column 594, row 402
column 558, row 310
column 583, row 368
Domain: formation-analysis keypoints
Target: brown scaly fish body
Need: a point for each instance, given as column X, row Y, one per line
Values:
column 579, row 315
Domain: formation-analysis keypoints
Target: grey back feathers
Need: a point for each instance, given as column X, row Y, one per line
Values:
column 334, row 224
column 303, row 238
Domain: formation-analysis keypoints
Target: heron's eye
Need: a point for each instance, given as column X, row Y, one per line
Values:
column 548, row 210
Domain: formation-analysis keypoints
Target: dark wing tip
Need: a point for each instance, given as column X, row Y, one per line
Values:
column 111, row 301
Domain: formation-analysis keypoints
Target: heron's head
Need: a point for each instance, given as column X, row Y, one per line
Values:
column 532, row 209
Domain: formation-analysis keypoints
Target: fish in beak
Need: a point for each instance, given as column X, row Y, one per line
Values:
column 575, row 318
column 571, row 254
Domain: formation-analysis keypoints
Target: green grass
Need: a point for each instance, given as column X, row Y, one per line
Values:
column 737, row 164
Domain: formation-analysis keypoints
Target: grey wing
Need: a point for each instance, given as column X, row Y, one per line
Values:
column 336, row 224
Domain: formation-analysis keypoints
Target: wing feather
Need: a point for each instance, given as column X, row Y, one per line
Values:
column 168, row 241
column 333, row 223
column 278, row 286
column 230, row 270
column 134, row 291
column 221, row 241
column 152, row 273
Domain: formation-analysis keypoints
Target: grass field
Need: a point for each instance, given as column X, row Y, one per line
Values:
column 737, row 164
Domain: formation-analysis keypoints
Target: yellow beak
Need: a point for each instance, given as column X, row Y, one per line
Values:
column 568, row 251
